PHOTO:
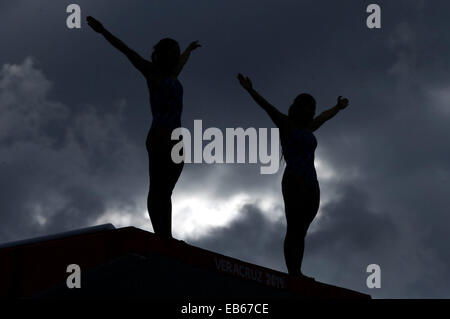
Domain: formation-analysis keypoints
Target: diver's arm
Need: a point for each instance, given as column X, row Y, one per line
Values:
column 276, row 116
column 328, row 114
column 184, row 57
column 138, row 62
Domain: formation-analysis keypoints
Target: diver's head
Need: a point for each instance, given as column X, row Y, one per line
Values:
column 303, row 109
column 166, row 55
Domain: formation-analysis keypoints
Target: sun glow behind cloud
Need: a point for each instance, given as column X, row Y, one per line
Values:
column 195, row 214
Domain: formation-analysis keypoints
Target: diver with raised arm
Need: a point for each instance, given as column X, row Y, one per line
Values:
column 300, row 188
column 166, row 100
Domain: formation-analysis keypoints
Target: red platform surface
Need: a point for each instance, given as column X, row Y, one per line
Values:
column 31, row 268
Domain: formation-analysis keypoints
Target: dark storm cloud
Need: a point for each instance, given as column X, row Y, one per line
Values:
column 53, row 159
column 353, row 233
column 74, row 122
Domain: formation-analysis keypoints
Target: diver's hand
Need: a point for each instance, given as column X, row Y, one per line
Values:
column 95, row 24
column 193, row 45
column 342, row 103
column 245, row 82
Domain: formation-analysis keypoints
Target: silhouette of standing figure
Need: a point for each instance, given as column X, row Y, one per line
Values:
column 166, row 100
column 300, row 188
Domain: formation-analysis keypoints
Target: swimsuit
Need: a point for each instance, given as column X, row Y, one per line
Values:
column 298, row 151
column 300, row 187
column 166, row 101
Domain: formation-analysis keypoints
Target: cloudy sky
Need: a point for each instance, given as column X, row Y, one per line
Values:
column 74, row 116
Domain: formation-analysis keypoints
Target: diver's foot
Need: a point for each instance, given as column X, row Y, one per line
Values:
column 178, row 241
column 303, row 277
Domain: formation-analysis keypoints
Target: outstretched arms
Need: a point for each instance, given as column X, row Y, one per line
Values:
column 138, row 62
column 279, row 118
column 185, row 55
column 276, row 116
column 328, row 114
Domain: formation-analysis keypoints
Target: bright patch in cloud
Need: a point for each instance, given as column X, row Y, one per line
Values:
column 126, row 216
column 324, row 170
column 194, row 215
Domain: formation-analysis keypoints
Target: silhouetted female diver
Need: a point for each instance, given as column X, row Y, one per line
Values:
column 166, row 100
column 301, row 192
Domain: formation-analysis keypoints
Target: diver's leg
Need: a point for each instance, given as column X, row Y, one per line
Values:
column 158, row 199
column 173, row 175
column 166, row 216
column 293, row 251
column 153, row 209
column 159, row 209
column 300, row 209
column 293, row 246
column 312, row 208
column 309, row 212
column 165, row 176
